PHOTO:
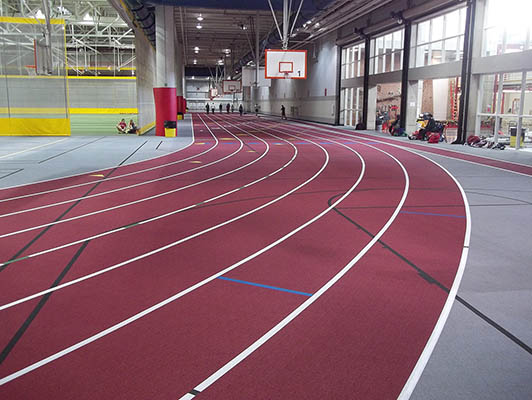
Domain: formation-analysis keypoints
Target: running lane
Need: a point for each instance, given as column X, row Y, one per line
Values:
column 358, row 334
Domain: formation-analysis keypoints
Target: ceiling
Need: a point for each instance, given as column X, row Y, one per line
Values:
column 224, row 34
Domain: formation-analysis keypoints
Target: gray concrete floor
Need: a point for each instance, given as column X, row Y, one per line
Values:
column 31, row 159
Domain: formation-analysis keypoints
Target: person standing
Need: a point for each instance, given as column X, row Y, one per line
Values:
column 256, row 109
column 212, row 108
column 283, row 112
column 221, row 108
column 207, row 107
column 232, row 108
column 240, row 109
column 227, row 108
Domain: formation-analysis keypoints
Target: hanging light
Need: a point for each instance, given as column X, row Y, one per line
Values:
column 199, row 18
column 199, row 26
column 195, row 61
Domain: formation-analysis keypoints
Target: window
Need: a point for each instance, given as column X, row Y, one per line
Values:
column 440, row 39
column 353, row 61
column 507, row 29
column 387, row 53
column 351, row 105
column 505, row 103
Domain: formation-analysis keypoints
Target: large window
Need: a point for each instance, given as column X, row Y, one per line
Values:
column 440, row 39
column 507, row 27
column 351, row 105
column 505, row 103
column 353, row 61
column 387, row 53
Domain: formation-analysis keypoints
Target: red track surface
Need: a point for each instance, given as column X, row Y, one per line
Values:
column 360, row 339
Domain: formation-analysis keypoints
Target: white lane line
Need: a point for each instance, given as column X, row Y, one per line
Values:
column 307, row 303
column 62, row 221
column 423, row 359
column 415, row 151
column 32, row 148
column 192, row 140
column 216, row 143
column 102, row 271
column 117, row 189
column 174, row 211
column 157, row 306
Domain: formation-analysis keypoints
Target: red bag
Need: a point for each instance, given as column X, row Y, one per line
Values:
column 471, row 140
column 434, row 137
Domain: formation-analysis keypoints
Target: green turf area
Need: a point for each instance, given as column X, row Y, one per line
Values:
column 97, row 124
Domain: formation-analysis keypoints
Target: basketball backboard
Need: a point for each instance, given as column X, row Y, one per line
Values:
column 286, row 64
column 231, row 87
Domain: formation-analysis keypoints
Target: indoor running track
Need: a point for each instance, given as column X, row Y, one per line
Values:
column 266, row 260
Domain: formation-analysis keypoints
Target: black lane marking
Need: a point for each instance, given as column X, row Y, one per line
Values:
column 68, row 151
column 128, row 157
column 499, row 197
column 13, row 172
column 427, row 277
column 41, row 233
column 159, row 145
column 25, row 325
column 194, row 392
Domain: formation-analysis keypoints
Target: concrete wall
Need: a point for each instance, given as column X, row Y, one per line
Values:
column 313, row 99
column 146, row 79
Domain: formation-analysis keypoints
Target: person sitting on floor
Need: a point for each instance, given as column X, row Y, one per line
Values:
column 121, row 126
column 132, row 128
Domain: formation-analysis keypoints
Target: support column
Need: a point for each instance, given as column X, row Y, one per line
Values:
column 466, row 74
column 410, row 113
column 404, row 76
column 165, row 91
column 371, row 108
column 365, row 99
column 179, row 73
column 337, row 100
column 475, row 101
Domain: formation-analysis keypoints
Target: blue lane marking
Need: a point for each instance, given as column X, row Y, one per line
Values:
column 301, row 142
column 435, row 214
column 264, row 286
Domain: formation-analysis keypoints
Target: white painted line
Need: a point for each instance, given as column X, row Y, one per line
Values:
column 161, row 304
column 178, row 210
column 103, row 180
column 62, row 221
column 413, row 379
column 412, row 150
column 294, row 314
column 192, row 139
column 111, row 178
column 33, row 148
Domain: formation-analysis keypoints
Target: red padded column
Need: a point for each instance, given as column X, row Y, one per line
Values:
column 165, row 107
column 180, row 105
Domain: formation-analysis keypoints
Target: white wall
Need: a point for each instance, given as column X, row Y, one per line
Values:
column 304, row 99
column 146, row 79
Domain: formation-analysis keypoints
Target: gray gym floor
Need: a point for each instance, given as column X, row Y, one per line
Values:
column 484, row 349
column 32, row 159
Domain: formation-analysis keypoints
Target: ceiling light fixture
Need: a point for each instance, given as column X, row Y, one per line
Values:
column 199, row 18
column 195, row 61
column 199, row 26
column 196, row 48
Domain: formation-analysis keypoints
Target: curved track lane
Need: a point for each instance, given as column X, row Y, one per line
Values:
column 364, row 332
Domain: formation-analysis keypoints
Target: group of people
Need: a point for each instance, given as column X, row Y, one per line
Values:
column 229, row 108
column 122, row 127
